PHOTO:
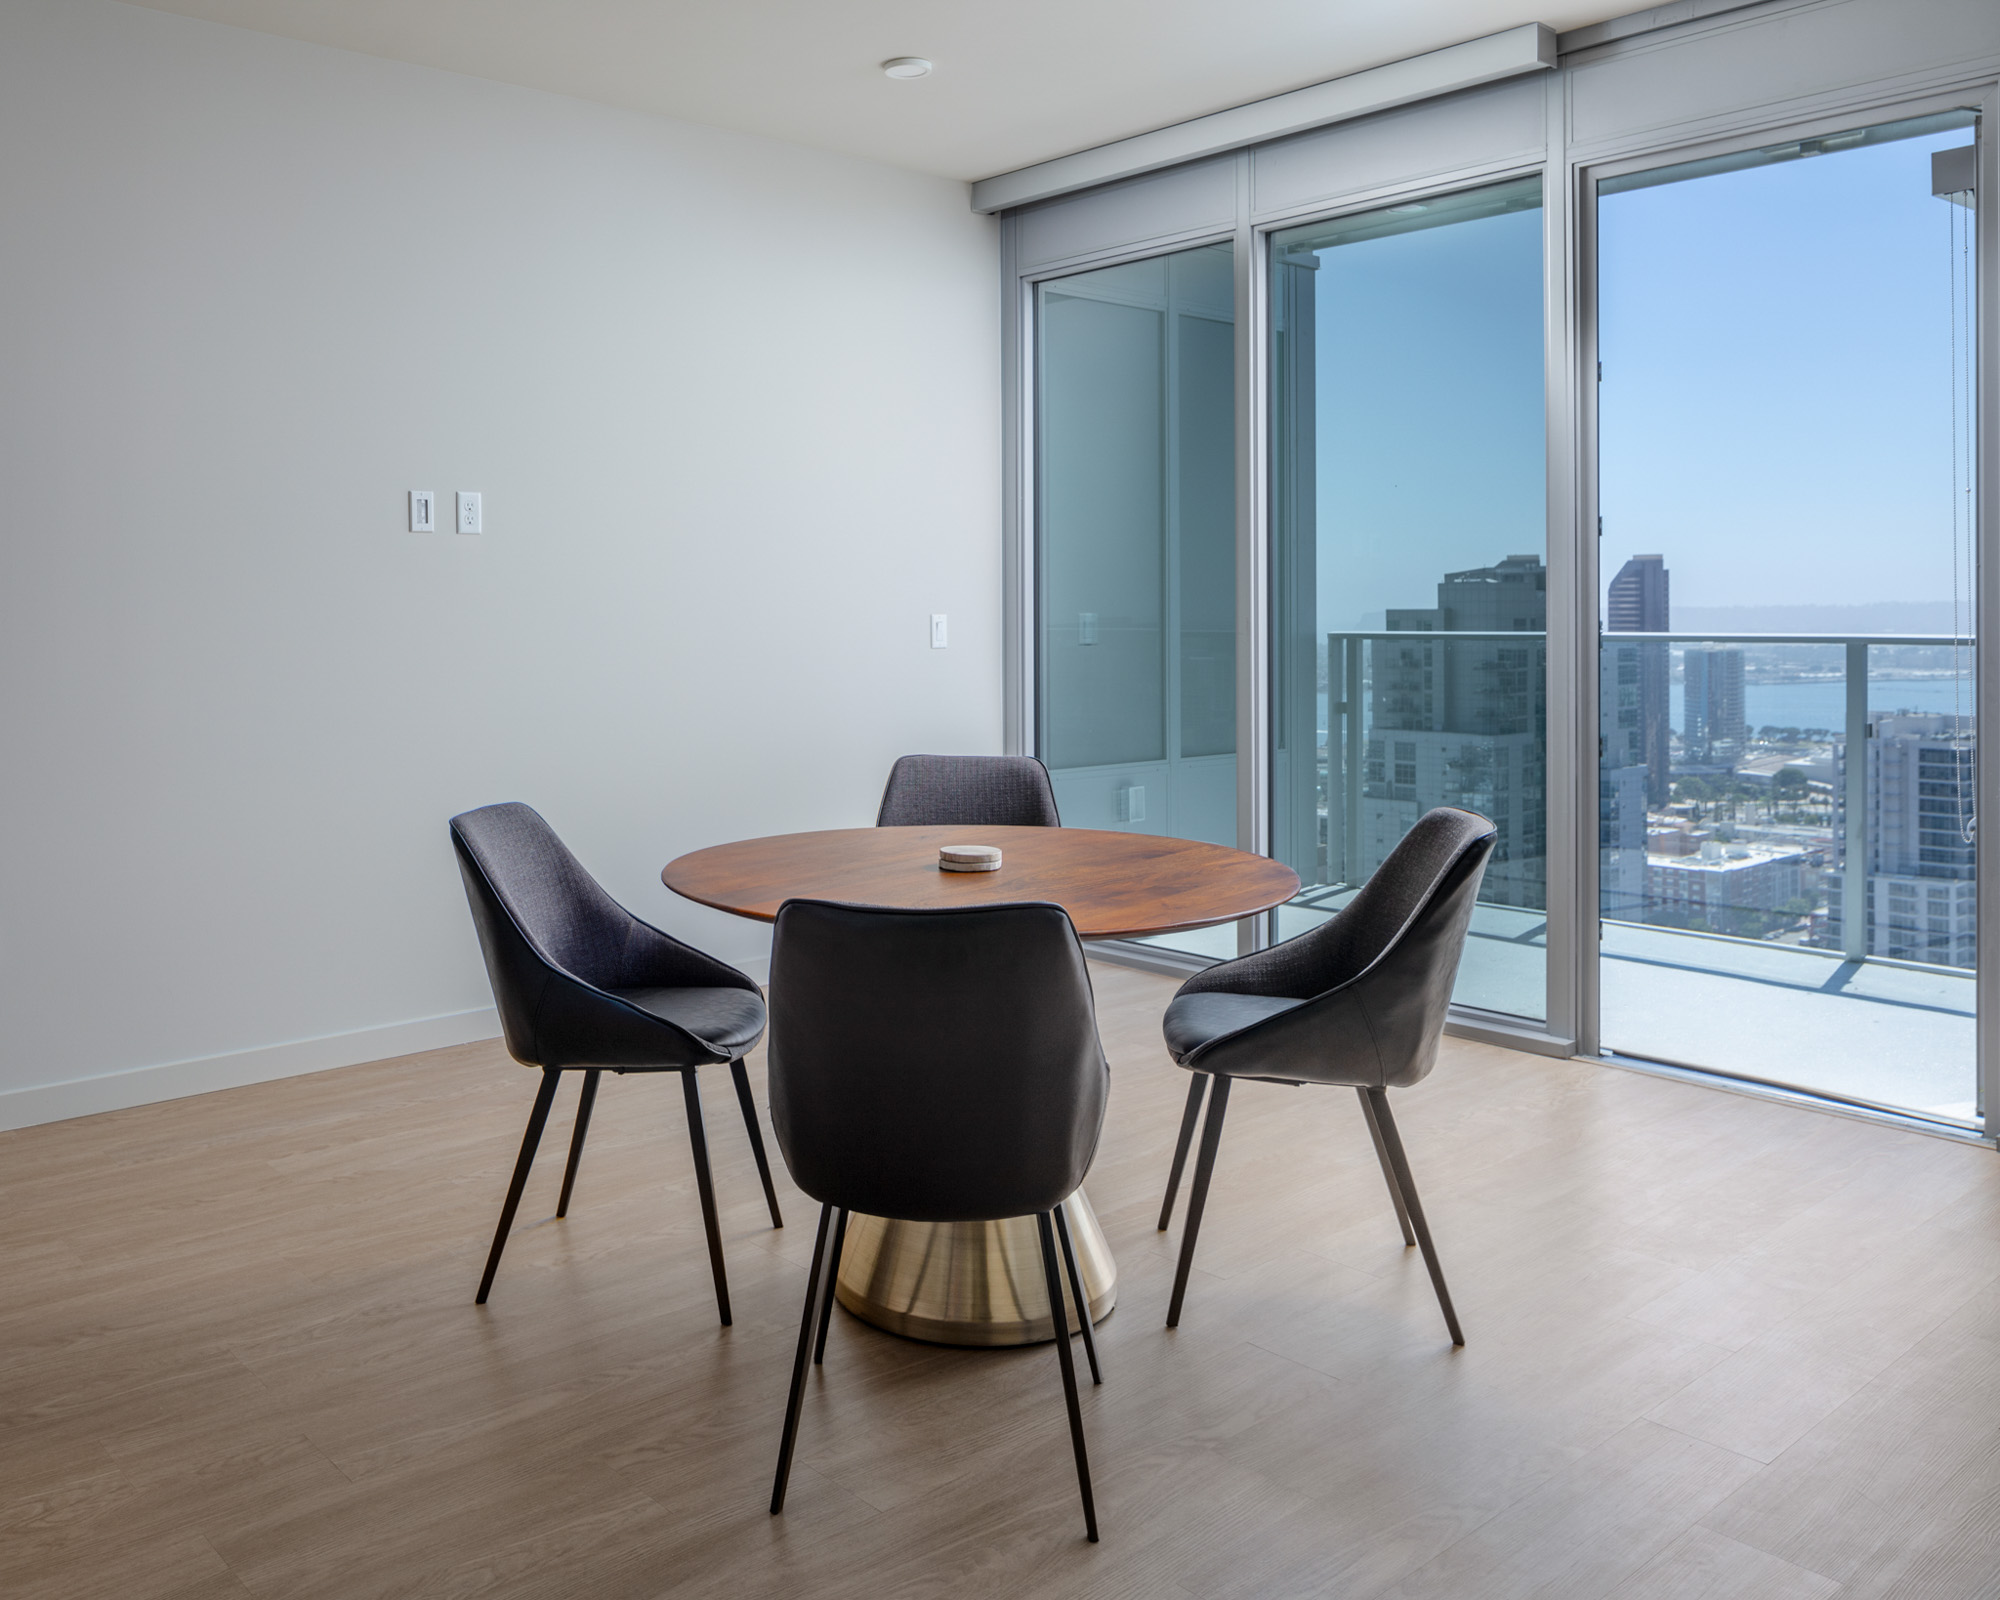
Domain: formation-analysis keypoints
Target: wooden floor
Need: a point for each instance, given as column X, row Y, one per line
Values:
column 1716, row 1348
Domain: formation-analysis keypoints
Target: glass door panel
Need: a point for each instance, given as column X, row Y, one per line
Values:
column 1785, row 667
column 1135, row 432
column 1409, row 589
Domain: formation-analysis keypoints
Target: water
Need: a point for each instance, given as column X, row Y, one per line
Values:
column 1824, row 704
column 1816, row 705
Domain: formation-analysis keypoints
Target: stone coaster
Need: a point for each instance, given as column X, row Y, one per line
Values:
column 968, row 858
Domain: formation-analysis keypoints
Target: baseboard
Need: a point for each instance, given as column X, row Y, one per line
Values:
column 175, row 1080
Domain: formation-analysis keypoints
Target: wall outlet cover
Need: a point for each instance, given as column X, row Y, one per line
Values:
column 468, row 511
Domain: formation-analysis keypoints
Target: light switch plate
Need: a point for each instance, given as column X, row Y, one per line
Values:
column 468, row 511
column 423, row 511
column 937, row 630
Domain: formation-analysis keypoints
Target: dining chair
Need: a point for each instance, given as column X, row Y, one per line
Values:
column 999, row 791
column 935, row 1066
column 1359, row 1001
column 583, row 985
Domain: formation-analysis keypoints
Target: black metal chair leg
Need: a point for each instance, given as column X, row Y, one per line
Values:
column 791, row 1436
column 1399, row 1164
column 742, row 1077
column 1204, row 1169
column 1195, row 1091
column 537, row 1119
column 832, row 1281
column 576, row 1138
column 1388, row 1172
column 1077, row 1295
column 1068, row 1373
column 698, row 1137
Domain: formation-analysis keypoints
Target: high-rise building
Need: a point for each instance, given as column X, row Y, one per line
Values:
column 1463, row 722
column 1714, row 887
column 1715, row 727
column 1921, row 901
column 1636, row 602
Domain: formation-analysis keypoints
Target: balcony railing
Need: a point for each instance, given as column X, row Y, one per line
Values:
column 1351, row 687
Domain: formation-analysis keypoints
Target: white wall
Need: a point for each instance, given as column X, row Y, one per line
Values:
column 733, row 408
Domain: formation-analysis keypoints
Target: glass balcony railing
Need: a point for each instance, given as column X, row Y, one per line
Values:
column 1767, row 828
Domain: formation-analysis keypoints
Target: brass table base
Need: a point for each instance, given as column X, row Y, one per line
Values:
column 970, row 1283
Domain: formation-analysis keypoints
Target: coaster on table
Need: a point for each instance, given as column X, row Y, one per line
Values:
column 968, row 858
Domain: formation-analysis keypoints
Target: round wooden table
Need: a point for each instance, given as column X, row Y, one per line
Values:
column 981, row 1283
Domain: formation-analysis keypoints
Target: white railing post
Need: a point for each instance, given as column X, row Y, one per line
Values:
column 1357, row 748
column 1854, row 825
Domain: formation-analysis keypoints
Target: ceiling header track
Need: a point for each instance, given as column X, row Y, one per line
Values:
column 1528, row 48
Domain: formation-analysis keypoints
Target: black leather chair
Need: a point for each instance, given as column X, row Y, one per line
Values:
column 1360, row 1000
column 582, row 984
column 935, row 1066
column 999, row 791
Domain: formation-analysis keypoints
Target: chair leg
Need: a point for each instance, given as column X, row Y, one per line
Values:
column 1204, row 1168
column 1195, row 1088
column 832, row 1280
column 742, row 1077
column 1076, row 1290
column 791, row 1435
column 698, row 1138
column 1400, row 1166
column 537, row 1119
column 576, row 1138
column 1068, row 1373
column 1388, row 1172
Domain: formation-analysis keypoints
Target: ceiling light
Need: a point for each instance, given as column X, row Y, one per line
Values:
column 906, row 67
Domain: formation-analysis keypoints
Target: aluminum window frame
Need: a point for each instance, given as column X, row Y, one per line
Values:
column 1570, row 169
column 1752, row 130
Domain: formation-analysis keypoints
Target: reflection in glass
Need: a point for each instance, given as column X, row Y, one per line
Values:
column 1409, row 588
column 1785, row 431
column 1136, row 522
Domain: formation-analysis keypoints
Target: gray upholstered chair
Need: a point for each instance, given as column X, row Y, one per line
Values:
column 938, row 1066
column 582, row 984
column 997, row 791
column 1359, row 1001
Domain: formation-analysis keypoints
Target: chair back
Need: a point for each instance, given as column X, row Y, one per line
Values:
column 1411, row 933
column 999, row 791
column 540, row 916
column 1378, row 977
column 934, row 1066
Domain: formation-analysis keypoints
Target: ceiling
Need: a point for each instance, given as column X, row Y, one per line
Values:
column 1017, row 81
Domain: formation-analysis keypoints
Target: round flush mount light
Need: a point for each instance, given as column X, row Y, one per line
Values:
column 906, row 67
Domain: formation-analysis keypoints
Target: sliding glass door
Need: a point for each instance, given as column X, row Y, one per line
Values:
column 1605, row 450
column 1786, row 442
column 1136, row 522
column 1409, row 579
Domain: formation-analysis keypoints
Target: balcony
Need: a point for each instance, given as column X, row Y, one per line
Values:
column 1829, row 949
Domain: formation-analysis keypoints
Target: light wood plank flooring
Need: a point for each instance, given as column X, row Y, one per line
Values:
column 1717, row 1348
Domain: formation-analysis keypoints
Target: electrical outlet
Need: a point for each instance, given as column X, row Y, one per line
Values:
column 937, row 630
column 423, row 511
column 468, row 511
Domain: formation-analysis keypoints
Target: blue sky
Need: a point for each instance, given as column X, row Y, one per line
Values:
column 1429, row 411
column 1775, row 410
column 1776, row 405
